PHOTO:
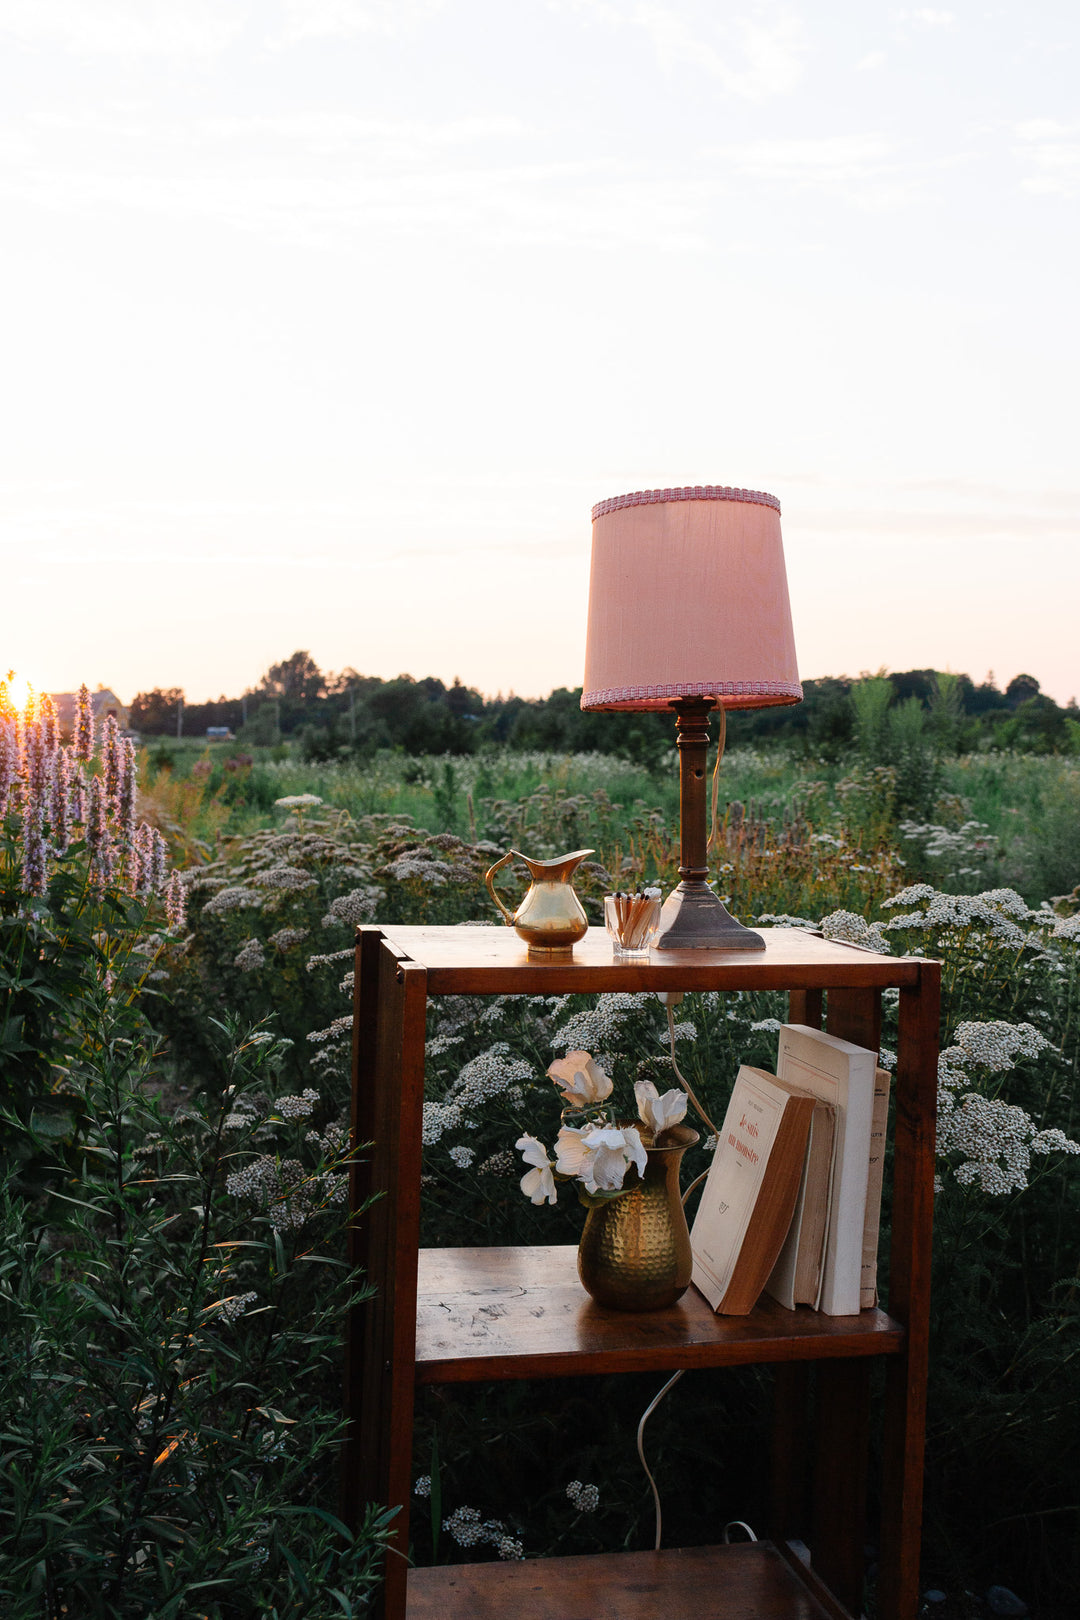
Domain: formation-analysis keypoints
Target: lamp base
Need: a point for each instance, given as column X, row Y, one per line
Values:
column 693, row 918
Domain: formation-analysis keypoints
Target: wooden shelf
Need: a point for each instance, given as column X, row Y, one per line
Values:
column 750, row 1581
column 522, row 1313
column 464, row 1315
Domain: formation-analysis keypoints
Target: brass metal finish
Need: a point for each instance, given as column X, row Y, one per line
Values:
column 634, row 1253
column 693, row 916
column 551, row 918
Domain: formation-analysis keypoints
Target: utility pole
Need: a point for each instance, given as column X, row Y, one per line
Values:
column 180, row 716
column 352, row 715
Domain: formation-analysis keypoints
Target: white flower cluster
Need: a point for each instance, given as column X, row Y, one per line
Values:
column 468, row 1530
column 682, row 1031
column 297, row 1107
column 235, row 1306
column 286, row 938
column 416, row 865
column 231, row 899
column 333, row 1031
column 351, row 909
column 1067, row 928
column 438, row 1119
column 423, row 1485
column 293, row 878
column 462, row 1157
column 852, row 929
column 284, row 1189
column 499, row 1164
column 995, row 913
column 490, row 1075
column 600, row 1027
column 783, row 919
column 994, row 1139
column 586, row 1498
column 250, row 956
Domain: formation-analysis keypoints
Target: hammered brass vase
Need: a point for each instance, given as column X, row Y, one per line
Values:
column 634, row 1253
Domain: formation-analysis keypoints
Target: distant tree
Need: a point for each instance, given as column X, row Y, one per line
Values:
column 1020, row 689
column 297, row 680
column 154, row 713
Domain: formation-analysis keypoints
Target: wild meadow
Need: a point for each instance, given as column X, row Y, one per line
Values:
column 176, row 952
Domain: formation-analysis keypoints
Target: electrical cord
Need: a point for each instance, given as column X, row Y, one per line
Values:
column 671, row 1000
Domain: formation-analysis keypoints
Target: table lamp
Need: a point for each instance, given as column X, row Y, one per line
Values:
column 688, row 610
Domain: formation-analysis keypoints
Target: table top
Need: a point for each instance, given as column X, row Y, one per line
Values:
column 472, row 958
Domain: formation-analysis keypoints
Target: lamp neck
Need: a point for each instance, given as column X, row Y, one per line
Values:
column 692, row 740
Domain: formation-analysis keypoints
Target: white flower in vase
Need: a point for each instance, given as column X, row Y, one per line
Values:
column 657, row 1112
column 581, row 1082
column 598, row 1155
column 538, row 1183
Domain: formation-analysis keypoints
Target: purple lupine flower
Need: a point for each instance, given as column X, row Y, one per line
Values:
column 79, row 793
column 60, row 800
column 97, row 827
column 50, row 720
column 143, row 861
column 84, row 726
column 34, row 871
column 126, row 790
column 110, row 758
column 103, row 862
column 175, row 901
column 37, row 773
column 159, row 862
column 9, row 760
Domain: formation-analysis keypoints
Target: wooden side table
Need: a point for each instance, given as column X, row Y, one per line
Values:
column 428, row 1321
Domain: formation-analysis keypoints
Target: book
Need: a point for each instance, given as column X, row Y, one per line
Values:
column 799, row 1271
column 868, row 1293
column 841, row 1073
column 750, row 1192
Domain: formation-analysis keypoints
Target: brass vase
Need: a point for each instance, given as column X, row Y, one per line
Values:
column 634, row 1253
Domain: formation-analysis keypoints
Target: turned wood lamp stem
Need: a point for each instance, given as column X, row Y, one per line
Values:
column 693, row 916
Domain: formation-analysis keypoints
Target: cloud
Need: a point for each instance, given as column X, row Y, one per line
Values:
column 1052, row 150
column 753, row 55
column 871, row 61
column 338, row 19
column 864, row 168
column 926, row 17
column 127, row 27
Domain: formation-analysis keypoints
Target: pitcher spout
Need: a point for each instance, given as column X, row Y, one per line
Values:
column 560, row 870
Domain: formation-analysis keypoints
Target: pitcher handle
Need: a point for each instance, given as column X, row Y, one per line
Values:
column 489, row 879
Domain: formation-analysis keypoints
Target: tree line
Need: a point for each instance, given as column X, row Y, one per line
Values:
column 338, row 715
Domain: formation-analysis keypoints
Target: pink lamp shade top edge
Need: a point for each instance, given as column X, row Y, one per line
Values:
column 696, row 492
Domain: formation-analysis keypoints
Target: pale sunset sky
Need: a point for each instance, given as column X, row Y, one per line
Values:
column 326, row 322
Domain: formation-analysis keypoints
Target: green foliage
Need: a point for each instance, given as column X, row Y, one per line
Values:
column 169, row 1354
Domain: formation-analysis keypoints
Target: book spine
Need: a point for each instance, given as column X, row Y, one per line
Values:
column 868, row 1293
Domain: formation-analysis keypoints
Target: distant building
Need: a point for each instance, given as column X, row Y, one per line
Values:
column 103, row 703
column 219, row 734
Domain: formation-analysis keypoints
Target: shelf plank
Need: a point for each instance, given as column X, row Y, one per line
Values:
column 476, row 960
column 505, row 1313
column 750, row 1581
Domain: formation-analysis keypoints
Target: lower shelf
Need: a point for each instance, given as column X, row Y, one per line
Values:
column 751, row 1581
column 522, row 1313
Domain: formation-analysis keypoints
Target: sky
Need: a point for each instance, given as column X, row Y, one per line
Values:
column 326, row 323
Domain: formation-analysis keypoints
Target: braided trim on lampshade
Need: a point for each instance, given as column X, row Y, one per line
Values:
column 699, row 492
column 784, row 691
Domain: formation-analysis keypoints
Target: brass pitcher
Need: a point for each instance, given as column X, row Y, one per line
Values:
column 551, row 918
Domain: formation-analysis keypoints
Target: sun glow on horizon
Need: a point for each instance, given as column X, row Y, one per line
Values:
column 17, row 691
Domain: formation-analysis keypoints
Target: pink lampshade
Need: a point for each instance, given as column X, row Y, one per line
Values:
column 688, row 597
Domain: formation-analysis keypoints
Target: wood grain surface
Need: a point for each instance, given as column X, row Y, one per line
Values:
column 522, row 1313
column 477, row 960
column 744, row 1582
